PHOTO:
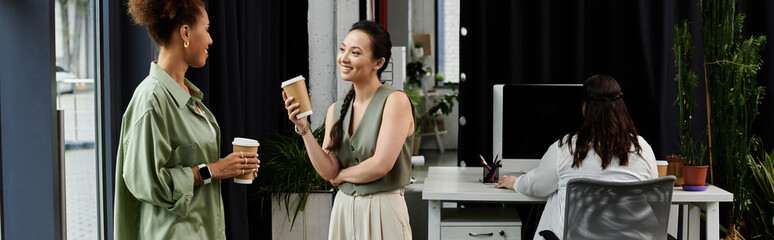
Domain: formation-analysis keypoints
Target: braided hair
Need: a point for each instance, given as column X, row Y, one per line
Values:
column 607, row 126
column 381, row 47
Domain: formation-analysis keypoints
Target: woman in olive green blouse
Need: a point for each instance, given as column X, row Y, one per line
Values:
column 167, row 171
column 368, row 140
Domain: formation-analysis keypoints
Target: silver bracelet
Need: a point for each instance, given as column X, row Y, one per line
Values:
column 301, row 132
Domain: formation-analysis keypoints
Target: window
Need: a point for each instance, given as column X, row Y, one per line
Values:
column 75, row 56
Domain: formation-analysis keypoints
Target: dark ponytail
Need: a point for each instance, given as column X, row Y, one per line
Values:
column 381, row 46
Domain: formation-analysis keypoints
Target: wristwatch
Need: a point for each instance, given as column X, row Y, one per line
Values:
column 204, row 173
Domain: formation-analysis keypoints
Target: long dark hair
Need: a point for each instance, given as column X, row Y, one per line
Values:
column 381, row 46
column 607, row 126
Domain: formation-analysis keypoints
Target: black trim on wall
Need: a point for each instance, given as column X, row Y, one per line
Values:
column 108, row 15
column 363, row 9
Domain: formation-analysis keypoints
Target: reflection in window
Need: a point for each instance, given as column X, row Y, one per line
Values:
column 74, row 33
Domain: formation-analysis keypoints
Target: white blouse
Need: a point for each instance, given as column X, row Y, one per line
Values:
column 555, row 170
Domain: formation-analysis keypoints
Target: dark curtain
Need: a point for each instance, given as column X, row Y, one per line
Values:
column 568, row 41
column 256, row 46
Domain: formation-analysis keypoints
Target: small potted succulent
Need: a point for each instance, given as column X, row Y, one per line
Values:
column 418, row 50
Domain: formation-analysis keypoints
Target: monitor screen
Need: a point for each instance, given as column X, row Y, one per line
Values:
column 534, row 116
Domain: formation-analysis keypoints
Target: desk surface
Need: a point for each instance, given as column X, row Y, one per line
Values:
column 462, row 184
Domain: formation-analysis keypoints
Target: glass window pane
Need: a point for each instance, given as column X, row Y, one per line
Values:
column 74, row 33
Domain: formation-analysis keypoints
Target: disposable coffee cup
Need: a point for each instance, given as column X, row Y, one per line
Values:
column 662, row 167
column 245, row 145
column 296, row 88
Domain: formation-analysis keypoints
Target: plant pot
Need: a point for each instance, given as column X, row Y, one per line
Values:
column 695, row 175
column 428, row 82
column 312, row 223
column 418, row 52
column 675, row 168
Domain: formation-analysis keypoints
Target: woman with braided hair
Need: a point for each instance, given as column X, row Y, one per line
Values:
column 367, row 144
column 168, row 170
column 606, row 147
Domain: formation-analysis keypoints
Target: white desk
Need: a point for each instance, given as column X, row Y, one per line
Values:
column 460, row 184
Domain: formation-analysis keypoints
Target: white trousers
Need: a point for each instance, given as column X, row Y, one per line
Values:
column 375, row 216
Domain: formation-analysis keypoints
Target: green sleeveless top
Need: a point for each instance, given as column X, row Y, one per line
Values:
column 362, row 145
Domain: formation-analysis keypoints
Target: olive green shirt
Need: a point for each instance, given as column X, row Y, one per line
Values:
column 162, row 137
column 362, row 146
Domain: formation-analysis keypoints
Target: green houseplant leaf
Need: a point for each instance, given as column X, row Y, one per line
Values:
column 731, row 64
column 289, row 172
column 762, row 209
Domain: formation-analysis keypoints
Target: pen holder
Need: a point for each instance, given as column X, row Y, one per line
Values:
column 491, row 176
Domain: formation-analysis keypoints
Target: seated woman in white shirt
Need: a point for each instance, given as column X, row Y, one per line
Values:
column 606, row 147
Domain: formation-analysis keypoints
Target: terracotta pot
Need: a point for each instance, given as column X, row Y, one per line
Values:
column 695, row 175
column 675, row 168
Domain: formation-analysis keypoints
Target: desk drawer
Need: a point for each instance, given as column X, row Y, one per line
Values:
column 453, row 233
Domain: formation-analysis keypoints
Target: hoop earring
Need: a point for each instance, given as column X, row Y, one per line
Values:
column 185, row 44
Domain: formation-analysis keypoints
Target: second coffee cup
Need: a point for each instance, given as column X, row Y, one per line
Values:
column 296, row 87
column 662, row 167
column 245, row 145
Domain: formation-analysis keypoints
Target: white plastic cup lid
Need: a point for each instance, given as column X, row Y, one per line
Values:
column 292, row 80
column 662, row 163
column 246, row 142
column 243, row 181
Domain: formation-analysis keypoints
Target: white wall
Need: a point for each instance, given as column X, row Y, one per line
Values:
column 451, row 47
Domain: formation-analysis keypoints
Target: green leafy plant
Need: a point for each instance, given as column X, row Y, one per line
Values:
column 731, row 64
column 686, row 84
column 415, row 94
column 694, row 153
column 289, row 172
column 418, row 45
column 445, row 103
column 415, row 71
column 762, row 209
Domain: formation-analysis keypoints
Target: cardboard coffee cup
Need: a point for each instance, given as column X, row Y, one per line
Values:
column 662, row 168
column 296, row 87
column 245, row 145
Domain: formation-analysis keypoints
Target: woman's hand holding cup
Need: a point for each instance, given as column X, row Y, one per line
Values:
column 235, row 164
column 293, row 110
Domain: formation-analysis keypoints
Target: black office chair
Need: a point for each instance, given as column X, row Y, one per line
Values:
column 596, row 209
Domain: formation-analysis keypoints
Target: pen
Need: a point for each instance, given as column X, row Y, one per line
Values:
column 484, row 162
column 496, row 159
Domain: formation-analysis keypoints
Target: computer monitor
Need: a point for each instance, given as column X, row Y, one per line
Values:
column 528, row 118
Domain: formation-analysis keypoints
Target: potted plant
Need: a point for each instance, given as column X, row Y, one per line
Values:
column 686, row 84
column 442, row 105
column 694, row 165
column 762, row 204
column 289, row 180
column 418, row 50
column 731, row 64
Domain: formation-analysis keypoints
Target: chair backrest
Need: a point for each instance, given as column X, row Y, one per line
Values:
column 596, row 209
